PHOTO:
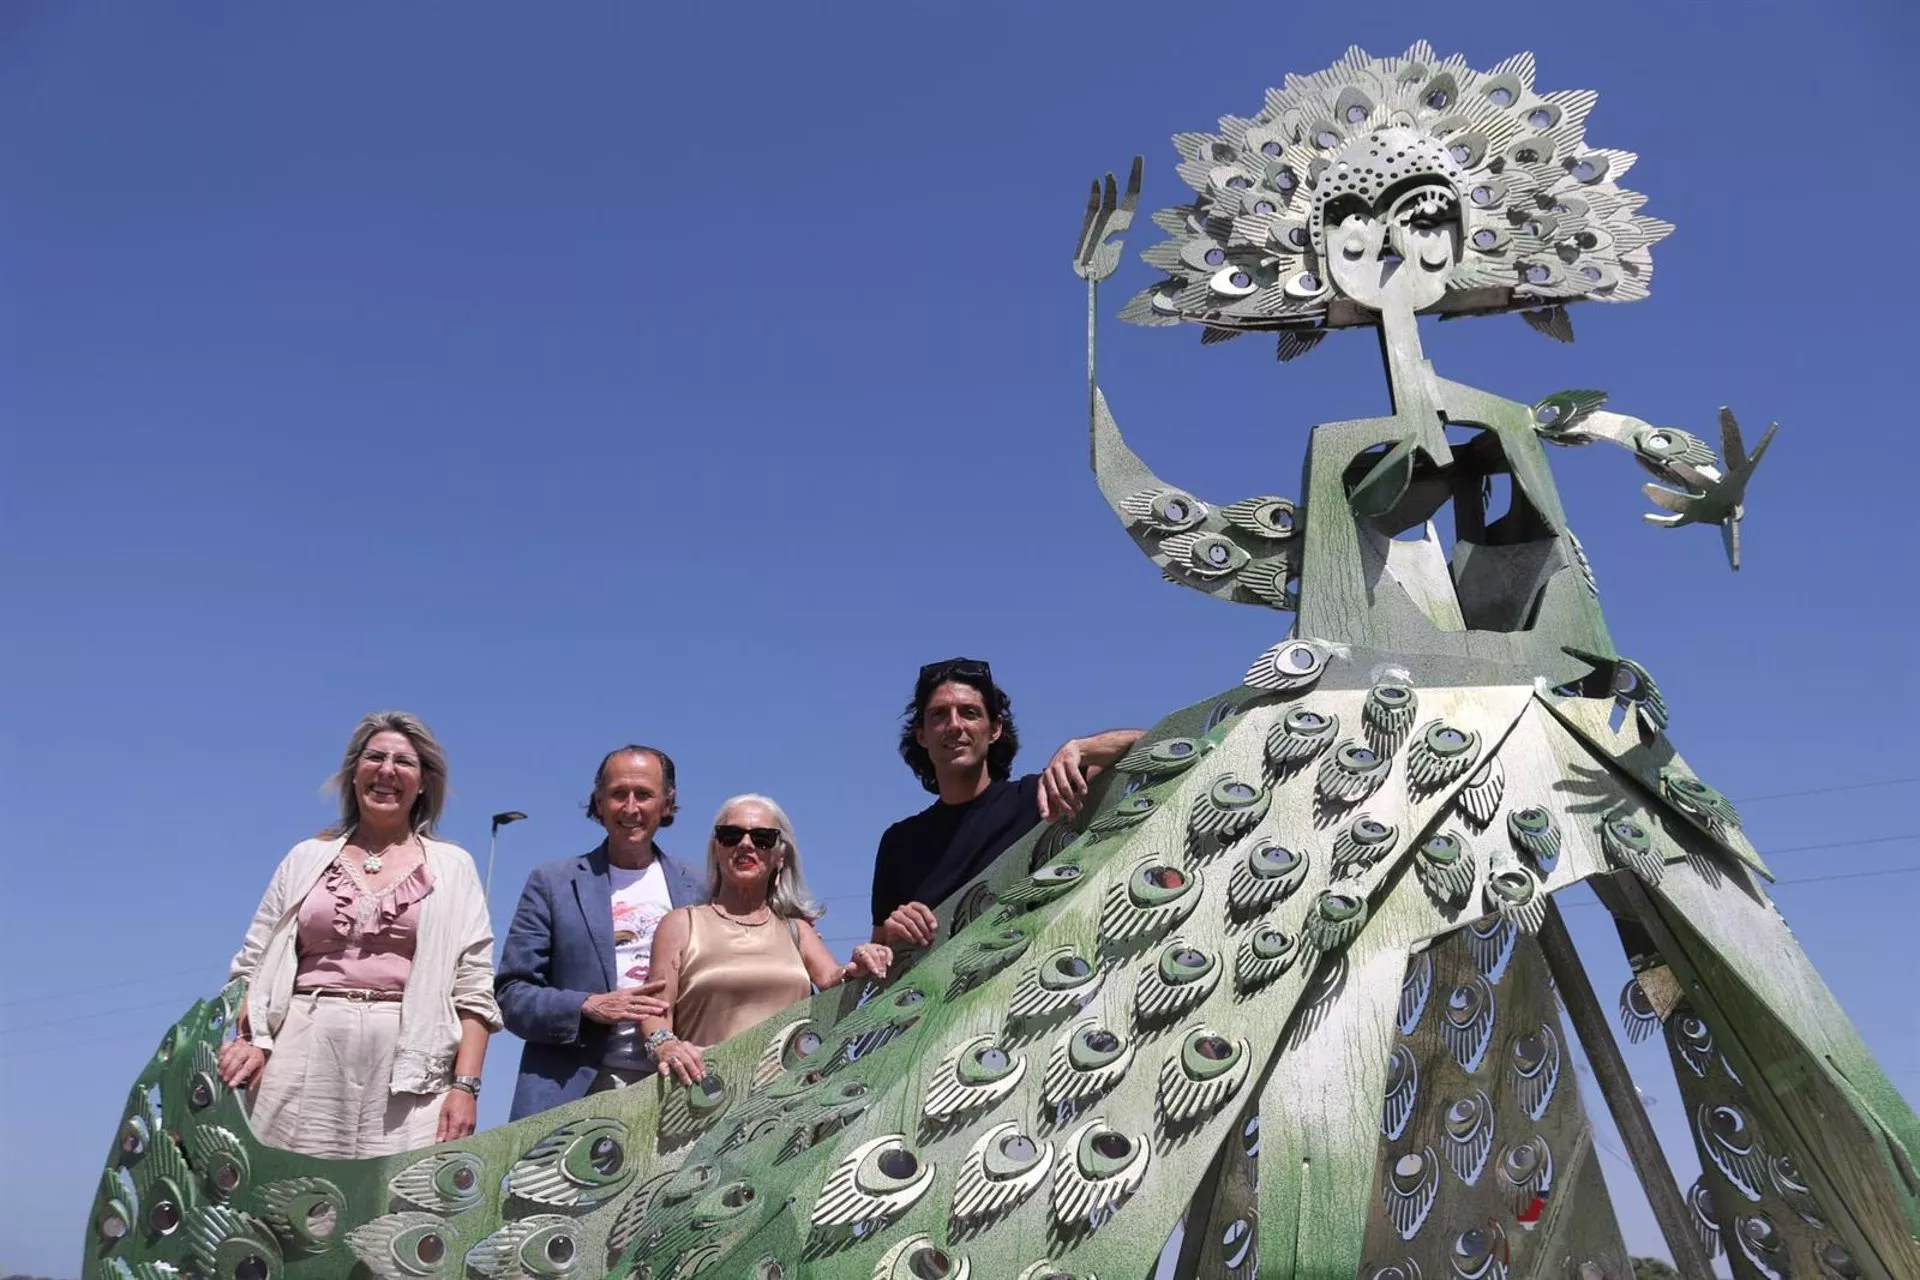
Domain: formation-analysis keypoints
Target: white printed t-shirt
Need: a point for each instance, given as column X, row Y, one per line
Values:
column 640, row 902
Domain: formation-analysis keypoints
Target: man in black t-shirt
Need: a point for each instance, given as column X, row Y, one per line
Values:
column 960, row 741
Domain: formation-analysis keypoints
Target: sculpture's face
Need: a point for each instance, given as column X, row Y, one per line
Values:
column 1386, row 219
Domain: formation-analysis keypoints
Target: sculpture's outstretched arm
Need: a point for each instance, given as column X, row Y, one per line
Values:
column 1699, row 488
column 1246, row 551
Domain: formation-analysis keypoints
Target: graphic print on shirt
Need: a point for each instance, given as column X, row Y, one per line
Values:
column 640, row 902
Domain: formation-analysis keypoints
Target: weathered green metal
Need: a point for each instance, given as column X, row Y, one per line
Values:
column 1280, row 977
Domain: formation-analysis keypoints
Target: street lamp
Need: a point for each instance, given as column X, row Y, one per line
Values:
column 499, row 820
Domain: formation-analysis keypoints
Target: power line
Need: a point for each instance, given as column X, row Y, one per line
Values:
column 1826, row 791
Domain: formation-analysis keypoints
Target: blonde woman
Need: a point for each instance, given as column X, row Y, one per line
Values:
column 748, row 952
column 369, row 967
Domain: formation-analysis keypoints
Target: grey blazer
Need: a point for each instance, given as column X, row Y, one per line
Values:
column 559, row 951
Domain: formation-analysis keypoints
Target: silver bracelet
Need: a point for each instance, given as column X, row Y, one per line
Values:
column 660, row 1037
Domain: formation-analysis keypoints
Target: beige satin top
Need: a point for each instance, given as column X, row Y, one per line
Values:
column 734, row 975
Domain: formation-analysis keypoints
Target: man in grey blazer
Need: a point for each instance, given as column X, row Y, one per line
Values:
column 571, row 982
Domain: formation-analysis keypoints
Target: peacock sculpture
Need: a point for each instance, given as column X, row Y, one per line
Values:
column 1294, row 976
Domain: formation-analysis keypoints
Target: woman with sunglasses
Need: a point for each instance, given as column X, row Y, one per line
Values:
column 750, row 950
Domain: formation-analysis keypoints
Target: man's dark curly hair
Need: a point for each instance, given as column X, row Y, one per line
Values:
column 999, row 709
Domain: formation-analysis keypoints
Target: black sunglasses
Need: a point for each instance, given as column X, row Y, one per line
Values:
column 764, row 838
column 968, row 668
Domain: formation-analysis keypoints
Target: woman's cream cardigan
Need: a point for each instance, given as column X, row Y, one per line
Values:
column 452, row 960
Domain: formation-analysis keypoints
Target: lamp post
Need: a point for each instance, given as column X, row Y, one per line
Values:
column 499, row 820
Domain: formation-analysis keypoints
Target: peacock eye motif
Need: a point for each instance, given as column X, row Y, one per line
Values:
column 407, row 1246
column 1699, row 801
column 1272, row 581
column 1287, row 667
column 1265, row 517
column 204, row 1086
column 1560, row 413
column 1165, row 511
column 304, row 1213
column 982, row 957
column 1264, row 956
column 1130, row 812
column 1351, row 772
column 1415, row 988
column 1534, row 1065
column 1203, row 555
column 919, row 1258
column 1638, row 1017
column 1162, row 758
column 1045, row 1271
column 1000, row 1171
column 116, row 1208
column 545, row 1246
column 1515, row 895
column 1269, row 873
column 1480, row 799
column 1335, row 920
column 1087, row 1062
column 1786, row 1179
column 1663, row 446
column 1197, row 1081
column 446, row 1183
column 978, row 1073
column 1298, row 737
column 1628, row 844
column 1480, row 1253
column 221, row 1158
column 1762, row 1245
column 1727, row 1139
column 1105, row 1168
column 1440, row 755
column 1360, row 844
column 1835, row 1262
column 1466, row 1135
column 1063, row 980
column 878, row 1179
column 1054, row 880
column 1490, row 944
column 794, row 1046
column 1155, row 898
column 225, row 1244
column 1184, row 976
column 1226, row 811
column 1466, row 1021
column 1693, row 1041
column 1704, row 1216
column 1444, row 864
column 1525, row 1177
column 1388, row 714
column 1403, row 1089
column 1535, row 833
column 1412, row 1182
column 1404, row 1269
column 580, row 1164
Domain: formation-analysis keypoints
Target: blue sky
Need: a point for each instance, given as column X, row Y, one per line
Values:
column 592, row 373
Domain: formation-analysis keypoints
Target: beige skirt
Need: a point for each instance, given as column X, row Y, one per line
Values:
column 325, row 1089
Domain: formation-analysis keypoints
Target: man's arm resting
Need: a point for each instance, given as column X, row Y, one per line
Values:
column 1063, row 784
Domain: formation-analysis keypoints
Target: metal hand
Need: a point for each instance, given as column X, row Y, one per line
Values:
column 1107, row 220
column 1713, row 498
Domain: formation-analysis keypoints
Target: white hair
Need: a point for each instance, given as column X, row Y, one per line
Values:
column 788, row 895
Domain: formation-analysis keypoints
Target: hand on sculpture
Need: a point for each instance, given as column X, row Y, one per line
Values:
column 240, row 1063
column 683, row 1061
column 459, row 1112
column 913, row 924
column 1713, row 497
column 1063, row 784
column 629, row 1004
column 1107, row 218
column 871, row 958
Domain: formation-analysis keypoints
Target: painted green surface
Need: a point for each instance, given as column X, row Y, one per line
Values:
column 1279, row 976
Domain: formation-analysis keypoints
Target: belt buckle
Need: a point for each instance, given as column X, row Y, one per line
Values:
column 357, row 994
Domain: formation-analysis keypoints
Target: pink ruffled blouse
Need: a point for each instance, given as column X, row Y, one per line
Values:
column 351, row 938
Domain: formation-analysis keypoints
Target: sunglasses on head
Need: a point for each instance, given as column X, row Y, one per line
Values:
column 967, row 668
column 764, row 838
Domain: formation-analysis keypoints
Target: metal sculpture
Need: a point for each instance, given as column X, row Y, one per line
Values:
column 1292, row 974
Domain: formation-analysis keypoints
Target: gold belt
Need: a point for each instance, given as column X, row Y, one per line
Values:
column 352, row 993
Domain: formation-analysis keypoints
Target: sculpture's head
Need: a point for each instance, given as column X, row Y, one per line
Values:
column 1387, row 181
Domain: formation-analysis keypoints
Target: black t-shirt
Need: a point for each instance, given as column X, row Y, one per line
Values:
column 926, row 857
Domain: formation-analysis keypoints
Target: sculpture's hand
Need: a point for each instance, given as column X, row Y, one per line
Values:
column 1712, row 497
column 1106, row 222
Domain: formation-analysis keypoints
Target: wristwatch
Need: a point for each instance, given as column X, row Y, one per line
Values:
column 467, row 1084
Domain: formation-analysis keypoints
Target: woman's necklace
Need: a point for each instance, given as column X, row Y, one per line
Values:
column 371, row 860
column 763, row 912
